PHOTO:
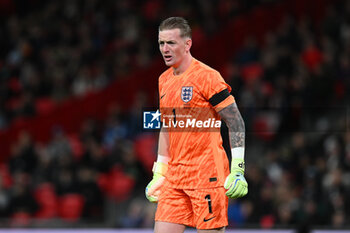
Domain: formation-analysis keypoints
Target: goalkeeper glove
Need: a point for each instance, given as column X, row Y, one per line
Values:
column 153, row 188
column 235, row 183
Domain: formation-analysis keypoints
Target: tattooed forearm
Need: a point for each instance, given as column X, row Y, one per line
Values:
column 235, row 124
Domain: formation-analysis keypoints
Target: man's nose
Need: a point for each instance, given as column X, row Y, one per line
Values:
column 165, row 47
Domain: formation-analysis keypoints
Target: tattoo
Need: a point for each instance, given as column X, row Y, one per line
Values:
column 235, row 124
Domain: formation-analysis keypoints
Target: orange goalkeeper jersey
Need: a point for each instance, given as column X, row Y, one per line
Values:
column 189, row 103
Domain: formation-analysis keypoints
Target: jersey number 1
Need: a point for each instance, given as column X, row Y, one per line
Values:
column 207, row 197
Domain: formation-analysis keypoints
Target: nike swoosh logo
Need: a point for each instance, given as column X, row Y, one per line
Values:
column 206, row 220
column 163, row 96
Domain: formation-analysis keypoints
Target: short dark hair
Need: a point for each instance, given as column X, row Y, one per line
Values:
column 177, row 22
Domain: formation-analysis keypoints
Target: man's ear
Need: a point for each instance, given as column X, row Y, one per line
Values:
column 188, row 45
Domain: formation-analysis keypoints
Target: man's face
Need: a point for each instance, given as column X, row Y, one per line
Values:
column 173, row 47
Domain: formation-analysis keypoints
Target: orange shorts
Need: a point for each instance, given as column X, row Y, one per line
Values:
column 199, row 208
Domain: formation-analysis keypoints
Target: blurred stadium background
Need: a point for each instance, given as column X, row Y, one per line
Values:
column 75, row 76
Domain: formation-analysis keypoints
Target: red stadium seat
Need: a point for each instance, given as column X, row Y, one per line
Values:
column 267, row 221
column 46, row 198
column 71, row 207
column 264, row 128
column 312, row 57
column 252, row 72
column 120, row 185
column 5, row 176
column 145, row 149
column 76, row 145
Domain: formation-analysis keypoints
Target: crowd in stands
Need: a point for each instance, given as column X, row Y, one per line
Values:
column 292, row 90
column 54, row 50
column 294, row 93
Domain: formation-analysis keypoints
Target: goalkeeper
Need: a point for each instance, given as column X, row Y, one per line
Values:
column 191, row 177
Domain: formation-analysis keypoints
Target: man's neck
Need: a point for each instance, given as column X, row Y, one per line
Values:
column 184, row 65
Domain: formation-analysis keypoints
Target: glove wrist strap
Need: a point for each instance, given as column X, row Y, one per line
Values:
column 237, row 153
column 237, row 165
column 160, row 168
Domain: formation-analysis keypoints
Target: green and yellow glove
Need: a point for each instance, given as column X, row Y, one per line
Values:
column 153, row 188
column 235, row 183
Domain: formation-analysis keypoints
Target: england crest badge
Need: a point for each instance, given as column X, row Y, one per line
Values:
column 186, row 94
